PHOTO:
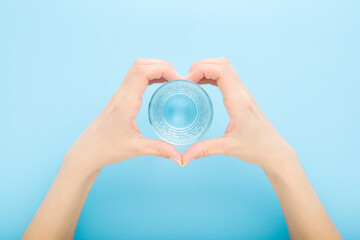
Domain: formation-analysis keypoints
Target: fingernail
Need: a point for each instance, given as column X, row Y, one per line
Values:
column 188, row 161
column 176, row 161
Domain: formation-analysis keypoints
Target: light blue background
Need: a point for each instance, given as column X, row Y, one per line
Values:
column 60, row 62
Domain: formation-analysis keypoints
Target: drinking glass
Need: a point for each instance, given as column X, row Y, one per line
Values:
column 180, row 112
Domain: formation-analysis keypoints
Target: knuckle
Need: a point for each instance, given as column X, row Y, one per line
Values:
column 139, row 61
column 159, row 153
column 224, row 63
column 205, row 153
column 140, row 69
column 204, row 150
column 223, row 60
column 168, row 64
column 139, row 66
column 194, row 66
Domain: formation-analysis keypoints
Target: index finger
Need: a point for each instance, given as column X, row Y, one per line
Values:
column 147, row 71
column 217, row 72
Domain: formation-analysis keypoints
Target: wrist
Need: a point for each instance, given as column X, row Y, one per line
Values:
column 285, row 161
column 77, row 166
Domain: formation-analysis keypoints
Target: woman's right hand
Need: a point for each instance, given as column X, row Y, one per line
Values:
column 249, row 135
column 113, row 136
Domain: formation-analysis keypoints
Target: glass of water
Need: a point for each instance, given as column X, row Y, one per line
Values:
column 180, row 112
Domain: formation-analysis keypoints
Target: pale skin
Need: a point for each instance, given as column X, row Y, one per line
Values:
column 113, row 137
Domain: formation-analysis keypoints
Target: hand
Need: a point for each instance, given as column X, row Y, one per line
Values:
column 113, row 136
column 249, row 135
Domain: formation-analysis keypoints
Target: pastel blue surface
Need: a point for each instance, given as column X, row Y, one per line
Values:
column 60, row 62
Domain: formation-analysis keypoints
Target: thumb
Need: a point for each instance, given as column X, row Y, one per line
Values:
column 159, row 148
column 204, row 148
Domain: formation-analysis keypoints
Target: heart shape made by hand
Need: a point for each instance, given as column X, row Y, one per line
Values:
column 113, row 136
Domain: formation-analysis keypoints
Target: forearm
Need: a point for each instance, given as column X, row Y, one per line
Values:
column 59, row 212
column 304, row 213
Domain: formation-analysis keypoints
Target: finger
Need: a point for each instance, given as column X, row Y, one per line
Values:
column 218, row 61
column 219, row 70
column 207, row 81
column 146, row 70
column 204, row 72
column 159, row 148
column 204, row 148
column 161, row 80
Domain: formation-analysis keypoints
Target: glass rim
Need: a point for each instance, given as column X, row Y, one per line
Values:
column 206, row 99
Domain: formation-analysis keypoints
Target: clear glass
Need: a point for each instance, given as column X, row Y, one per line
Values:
column 180, row 112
